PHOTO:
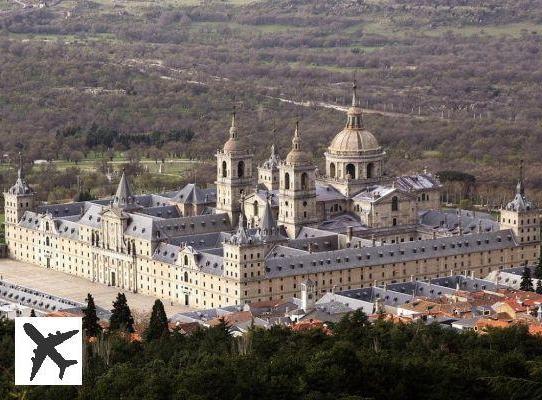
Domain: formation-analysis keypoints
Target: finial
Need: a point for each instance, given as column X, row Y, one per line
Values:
column 20, row 170
column 296, row 133
column 520, row 188
column 273, row 150
column 354, row 94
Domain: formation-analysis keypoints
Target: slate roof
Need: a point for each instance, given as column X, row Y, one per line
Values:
column 192, row 194
column 450, row 220
column 149, row 228
column 328, row 193
column 162, row 211
column 374, row 193
column 417, row 182
column 207, row 262
column 341, row 223
column 390, row 253
column 202, row 241
column 20, row 187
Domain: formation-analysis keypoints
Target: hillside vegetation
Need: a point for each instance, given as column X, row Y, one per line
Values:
column 456, row 83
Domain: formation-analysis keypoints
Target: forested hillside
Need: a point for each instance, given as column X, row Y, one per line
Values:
column 456, row 83
column 358, row 361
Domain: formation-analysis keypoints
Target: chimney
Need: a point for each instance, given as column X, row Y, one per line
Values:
column 350, row 233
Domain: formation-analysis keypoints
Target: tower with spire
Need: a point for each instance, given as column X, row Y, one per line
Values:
column 521, row 215
column 18, row 199
column 234, row 174
column 297, row 190
column 268, row 172
column 115, row 217
column 124, row 198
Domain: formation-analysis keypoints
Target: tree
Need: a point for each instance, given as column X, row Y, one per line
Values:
column 526, row 281
column 90, row 319
column 158, row 324
column 538, row 269
column 539, row 286
column 121, row 316
column 32, row 313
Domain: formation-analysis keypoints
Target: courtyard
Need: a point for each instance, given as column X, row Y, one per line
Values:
column 75, row 288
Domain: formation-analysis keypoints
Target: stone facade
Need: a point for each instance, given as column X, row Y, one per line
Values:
column 252, row 241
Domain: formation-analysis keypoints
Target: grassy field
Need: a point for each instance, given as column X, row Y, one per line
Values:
column 171, row 167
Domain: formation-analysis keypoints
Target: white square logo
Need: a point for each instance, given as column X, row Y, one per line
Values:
column 48, row 351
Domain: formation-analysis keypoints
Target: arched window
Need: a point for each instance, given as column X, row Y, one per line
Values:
column 241, row 169
column 304, row 181
column 186, row 276
column 332, row 171
column 47, row 243
column 46, row 225
column 287, row 181
column 185, row 259
column 224, row 169
column 394, row 222
column 370, row 170
column 351, row 170
column 256, row 208
column 394, row 203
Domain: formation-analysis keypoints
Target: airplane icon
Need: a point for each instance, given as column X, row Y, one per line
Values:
column 46, row 347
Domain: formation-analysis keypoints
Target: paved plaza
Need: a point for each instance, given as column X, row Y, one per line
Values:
column 75, row 288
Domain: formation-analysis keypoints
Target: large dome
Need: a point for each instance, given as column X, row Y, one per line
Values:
column 353, row 142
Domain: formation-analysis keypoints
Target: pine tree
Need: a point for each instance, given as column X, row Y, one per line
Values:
column 90, row 319
column 121, row 316
column 526, row 281
column 538, row 269
column 32, row 313
column 158, row 324
column 539, row 286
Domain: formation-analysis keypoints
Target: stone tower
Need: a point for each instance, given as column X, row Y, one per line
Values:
column 521, row 215
column 268, row 172
column 297, row 190
column 308, row 295
column 234, row 175
column 19, row 198
column 244, row 260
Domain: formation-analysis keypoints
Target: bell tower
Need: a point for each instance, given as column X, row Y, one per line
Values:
column 521, row 215
column 234, row 175
column 17, row 200
column 297, row 190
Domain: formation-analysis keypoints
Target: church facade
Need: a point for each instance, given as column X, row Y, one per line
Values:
column 265, row 232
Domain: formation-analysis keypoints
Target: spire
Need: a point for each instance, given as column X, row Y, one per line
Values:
column 354, row 115
column 232, row 145
column 268, row 224
column 296, row 155
column 20, row 187
column 520, row 189
column 123, row 196
column 20, row 169
column 241, row 236
column 233, row 128
column 296, row 141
